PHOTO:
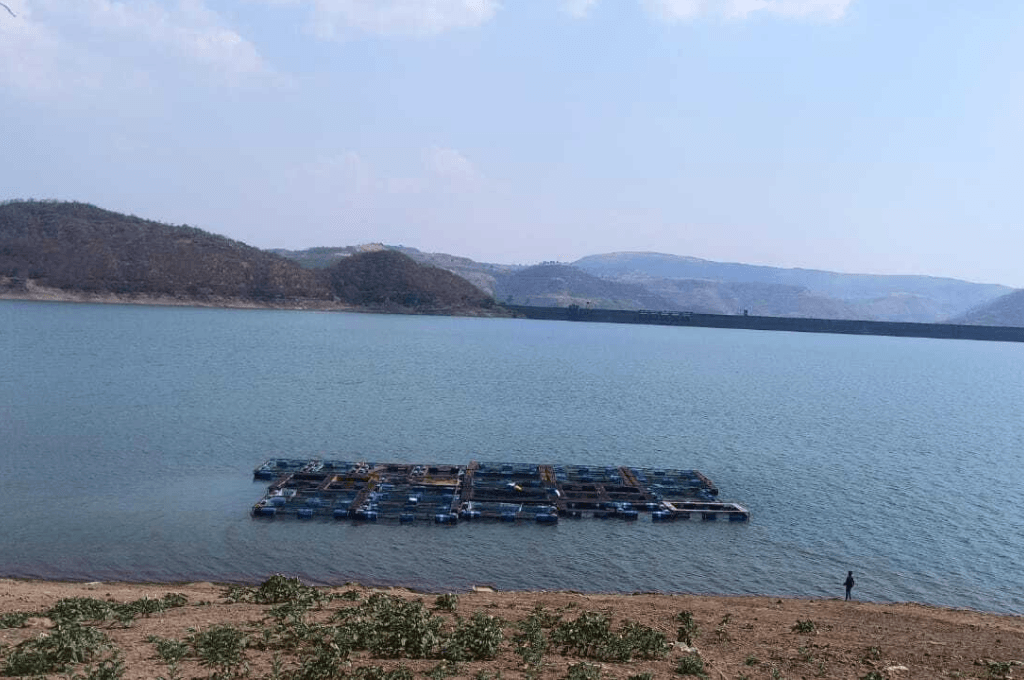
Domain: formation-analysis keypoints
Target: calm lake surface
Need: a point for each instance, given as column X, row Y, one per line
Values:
column 128, row 436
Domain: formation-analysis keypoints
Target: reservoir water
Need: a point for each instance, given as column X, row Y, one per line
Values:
column 128, row 436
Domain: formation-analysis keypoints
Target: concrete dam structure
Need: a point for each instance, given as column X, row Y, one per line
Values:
column 774, row 323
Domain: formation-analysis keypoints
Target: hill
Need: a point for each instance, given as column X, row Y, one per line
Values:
column 387, row 278
column 480, row 274
column 672, row 282
column 776, row 291
column 1007, row 310
column 559, row 285
column 79, row 247
column 84, row 252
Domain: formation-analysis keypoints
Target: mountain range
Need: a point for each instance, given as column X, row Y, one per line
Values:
column 84, row 250
column 638, row 280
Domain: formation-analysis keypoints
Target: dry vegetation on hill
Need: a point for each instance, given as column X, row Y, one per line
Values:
column 76, row 251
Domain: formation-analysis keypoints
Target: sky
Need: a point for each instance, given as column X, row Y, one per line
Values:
column 874, row 136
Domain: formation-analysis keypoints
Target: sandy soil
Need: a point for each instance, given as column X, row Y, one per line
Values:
column 739, row 637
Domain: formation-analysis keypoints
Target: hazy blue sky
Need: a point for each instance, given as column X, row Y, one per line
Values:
column 880, row 136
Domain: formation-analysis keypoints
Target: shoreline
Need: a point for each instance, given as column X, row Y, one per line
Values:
column 35, row 293
column 749, row 636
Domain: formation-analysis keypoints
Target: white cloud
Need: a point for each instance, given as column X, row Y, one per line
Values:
column 188, row 29
column 56, row 44
column 577, row 8
column 681, row 10
column 29, row 53
column 335, row 18
column 452, row 168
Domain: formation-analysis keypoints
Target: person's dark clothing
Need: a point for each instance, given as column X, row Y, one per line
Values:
column 849, row 584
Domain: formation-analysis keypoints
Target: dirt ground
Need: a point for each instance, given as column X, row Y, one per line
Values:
column 737, row 637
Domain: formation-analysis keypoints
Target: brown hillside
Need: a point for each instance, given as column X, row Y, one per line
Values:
column 76, row 251
column 79, row 247
column 387, row 278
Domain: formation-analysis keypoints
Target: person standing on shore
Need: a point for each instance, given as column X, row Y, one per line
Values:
column 848, row 583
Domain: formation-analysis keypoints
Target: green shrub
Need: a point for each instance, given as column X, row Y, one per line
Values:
column 590, row 636
column 477, row 639
column 108, row 669
column 691, row 664
column 65, row 644
column 390, row 628
column 637, row 641
column 531, row 641
column 583, row 671
column 15, row 619
column 687, row 628
column 585, row 636
column 78, row 609
column 169, row 651
column 221, row 648
column 806, row 627
column 328, row 657
column 448, row 602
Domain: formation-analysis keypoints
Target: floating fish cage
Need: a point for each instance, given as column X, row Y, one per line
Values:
column 407, row 493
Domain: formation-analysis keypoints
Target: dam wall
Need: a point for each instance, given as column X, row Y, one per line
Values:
column 774, row 323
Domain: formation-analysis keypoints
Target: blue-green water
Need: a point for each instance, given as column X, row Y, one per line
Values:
column 128, row 437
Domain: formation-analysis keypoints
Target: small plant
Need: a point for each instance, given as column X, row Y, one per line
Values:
column 172, row 600
column 720, row 630
column 327, row 659
column 391, row 628
column 477, row 639
column 169, row 651
column 448, row 602
column 691, row 664
column 998, row 670
column 15, row 619
column 641, row 676
column 583, row 671
column 78, row 609
column 806, row 627
column 221, row 648
column 350, row 595
column 64, row 645
column 636, row 641
column 752, row 660
column 532, row 642
column 108, row 669
column 687, row 628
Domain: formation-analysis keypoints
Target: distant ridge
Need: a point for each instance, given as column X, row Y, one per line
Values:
column 646, row 280
column 734, row 288
column 560, row 285
column 84, row 252
column 1007, row 310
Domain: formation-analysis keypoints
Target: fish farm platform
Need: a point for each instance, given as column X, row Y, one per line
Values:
column 506, row 492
